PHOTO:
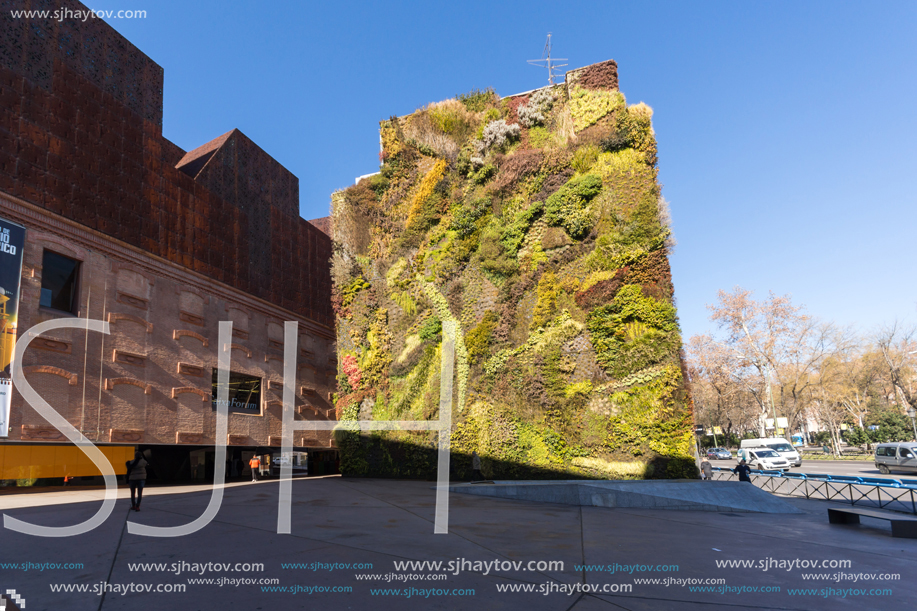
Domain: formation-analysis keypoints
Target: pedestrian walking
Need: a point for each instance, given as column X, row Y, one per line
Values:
column 136, row 478
column 476, row 467
column 255, row 464
column 742, row 470
column 706, row 468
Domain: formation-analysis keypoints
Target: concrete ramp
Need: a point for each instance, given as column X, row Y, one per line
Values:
column 678, row 495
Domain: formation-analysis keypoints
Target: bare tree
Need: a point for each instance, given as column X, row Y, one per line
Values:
column 721, row 395
column 840, row 386
column 898, row 346
column 783, row 345
column 861, row 371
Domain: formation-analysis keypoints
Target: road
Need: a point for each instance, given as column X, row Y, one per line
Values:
column 897, row 499
column 832, row 467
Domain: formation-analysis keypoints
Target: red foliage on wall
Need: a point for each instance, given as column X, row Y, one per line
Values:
column 603, row 75
column 512, row 105
column 552, row 183
column 652, row 273
column 602, row 292
column 514, row 168
column 352, row 370
column 652, row 270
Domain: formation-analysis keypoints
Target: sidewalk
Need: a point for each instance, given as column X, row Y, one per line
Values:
column 379, row 522
column 59, row 495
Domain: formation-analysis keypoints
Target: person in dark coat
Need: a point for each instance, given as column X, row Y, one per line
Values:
column 136, row 478
column 742, row 470
column 476, row 467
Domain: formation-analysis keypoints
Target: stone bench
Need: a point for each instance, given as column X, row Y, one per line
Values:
column 902, row 525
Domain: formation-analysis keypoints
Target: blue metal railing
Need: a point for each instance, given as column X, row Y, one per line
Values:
column 898, row 493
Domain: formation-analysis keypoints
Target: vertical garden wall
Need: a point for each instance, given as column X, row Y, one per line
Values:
column 537, row 223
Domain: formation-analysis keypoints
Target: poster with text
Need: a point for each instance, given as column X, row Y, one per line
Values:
column 12, row 238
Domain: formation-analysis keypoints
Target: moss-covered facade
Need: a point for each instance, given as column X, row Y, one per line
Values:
column 535, row 222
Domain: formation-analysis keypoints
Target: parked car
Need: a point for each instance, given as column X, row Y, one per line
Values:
column 763, row 458
column 779, row 445
column 901, row 456
column 719, row 454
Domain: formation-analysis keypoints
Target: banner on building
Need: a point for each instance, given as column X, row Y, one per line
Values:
column 12, row 239
column 6, row 398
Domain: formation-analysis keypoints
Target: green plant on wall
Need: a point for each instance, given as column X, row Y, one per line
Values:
column 350, row 291
column 633, row 332
column 430, row 329
column 584, row 158
column 494, row 256
column 479, row 339
column 465, row 219
column 569, row 207
column 376, row 358
column 546, row 306
column 541, row 242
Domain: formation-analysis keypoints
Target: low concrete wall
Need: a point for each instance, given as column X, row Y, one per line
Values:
column 679, row 495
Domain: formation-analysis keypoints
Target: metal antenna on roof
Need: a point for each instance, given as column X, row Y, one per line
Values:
column 547, row 61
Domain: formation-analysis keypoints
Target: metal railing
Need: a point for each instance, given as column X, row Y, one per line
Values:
column 877, row 492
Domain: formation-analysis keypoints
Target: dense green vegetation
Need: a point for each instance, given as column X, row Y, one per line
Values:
column 535, row 224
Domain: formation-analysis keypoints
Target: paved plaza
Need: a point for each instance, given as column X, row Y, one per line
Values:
column 339, row 523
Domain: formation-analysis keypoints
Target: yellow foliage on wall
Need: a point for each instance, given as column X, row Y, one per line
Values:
column 643, row 113
column 390, row 142
column 425, row 189
column 619, row 162
column 596, row 277
column 588, row 106
column 614, row 468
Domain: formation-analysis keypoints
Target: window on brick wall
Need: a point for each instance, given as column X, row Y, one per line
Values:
column 59, row 275
column 244, row 393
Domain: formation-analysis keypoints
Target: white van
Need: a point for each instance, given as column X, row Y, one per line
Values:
column 779, row 445
column 763, row 458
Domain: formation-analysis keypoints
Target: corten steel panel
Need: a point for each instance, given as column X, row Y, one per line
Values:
column 80, row 135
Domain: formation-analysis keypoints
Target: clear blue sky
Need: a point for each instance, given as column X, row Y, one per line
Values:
column 787, row 130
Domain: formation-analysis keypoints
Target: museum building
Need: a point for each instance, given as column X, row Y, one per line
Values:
column 121, row 225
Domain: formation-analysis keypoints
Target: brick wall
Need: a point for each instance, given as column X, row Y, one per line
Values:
column 149, row 381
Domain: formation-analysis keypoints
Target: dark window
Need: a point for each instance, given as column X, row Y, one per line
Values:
column 880, row 451
column 244, row 393
column 905, row 453
column 58, row 282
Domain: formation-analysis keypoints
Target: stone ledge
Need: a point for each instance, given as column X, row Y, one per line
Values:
column 676, row 495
